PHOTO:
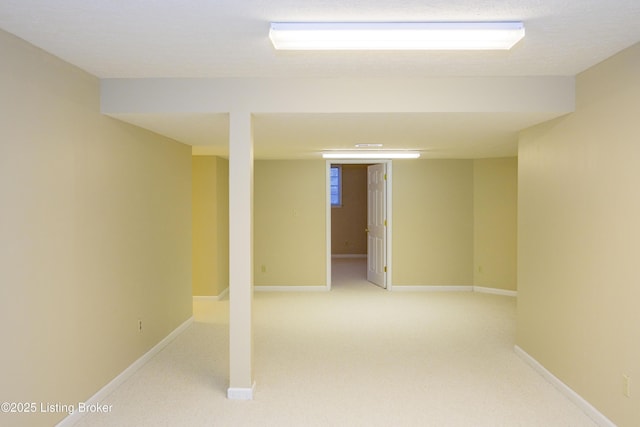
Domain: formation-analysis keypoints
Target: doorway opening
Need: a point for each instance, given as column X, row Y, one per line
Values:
column 359, row 220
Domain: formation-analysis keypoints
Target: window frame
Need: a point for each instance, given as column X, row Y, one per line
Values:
column 339, row 185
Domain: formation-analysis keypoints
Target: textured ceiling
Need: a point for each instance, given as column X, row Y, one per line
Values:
column 229, row 38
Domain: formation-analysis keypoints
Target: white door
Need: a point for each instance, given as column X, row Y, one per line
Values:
column 376, row 225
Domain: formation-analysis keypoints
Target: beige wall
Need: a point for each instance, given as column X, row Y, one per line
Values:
column 449, row 215
column 349, row 222
column 433, row 222
column 210, row 198
column 95, row 229
column 495, row 229
column 578, row 234
column 290, row 222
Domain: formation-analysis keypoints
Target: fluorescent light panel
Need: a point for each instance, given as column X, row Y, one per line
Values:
column 395, row 35
column 378, row 154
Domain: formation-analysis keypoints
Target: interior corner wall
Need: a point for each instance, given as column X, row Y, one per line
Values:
column 222, row 206
column 290, row 223
column 210, row 199
column 349, row 221
column 204, row 229
column 495, row 216
column 578, row 234
column 432, row 222
column 95, row 230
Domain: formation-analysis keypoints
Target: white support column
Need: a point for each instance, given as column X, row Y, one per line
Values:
column 241, row 385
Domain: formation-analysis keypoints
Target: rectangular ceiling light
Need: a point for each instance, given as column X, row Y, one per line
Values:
column 395, row 35
column 379, row 154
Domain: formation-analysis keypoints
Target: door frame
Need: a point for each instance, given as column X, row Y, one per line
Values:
column 388, row 207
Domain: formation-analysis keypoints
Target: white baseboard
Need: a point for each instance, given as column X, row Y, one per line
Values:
column 461, row 288
column 578, row 400
column 427, row 288
column 348, row 255
column 495, row 291
column 126, row 374
column 480, row 289
column 240, row 393
column 212, row 297
column 320, row 288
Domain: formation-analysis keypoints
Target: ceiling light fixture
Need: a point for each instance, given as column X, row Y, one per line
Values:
column 378, row 154
column 368, row 145
column 395, row 35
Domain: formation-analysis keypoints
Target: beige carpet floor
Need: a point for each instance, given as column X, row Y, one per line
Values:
column 355, row 356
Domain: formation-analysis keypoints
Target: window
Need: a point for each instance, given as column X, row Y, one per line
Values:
column 336, row 185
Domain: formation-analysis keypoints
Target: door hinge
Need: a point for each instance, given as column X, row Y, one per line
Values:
column 385, row 222
column 385, row 268
column 385, row 176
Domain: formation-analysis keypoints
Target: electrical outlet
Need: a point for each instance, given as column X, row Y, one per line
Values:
column 263, row 268
column 480, row 269
column 626, row 379
column 139, row 325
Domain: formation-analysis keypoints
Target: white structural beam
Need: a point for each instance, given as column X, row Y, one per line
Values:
column 241, row 383
column 451, row 94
